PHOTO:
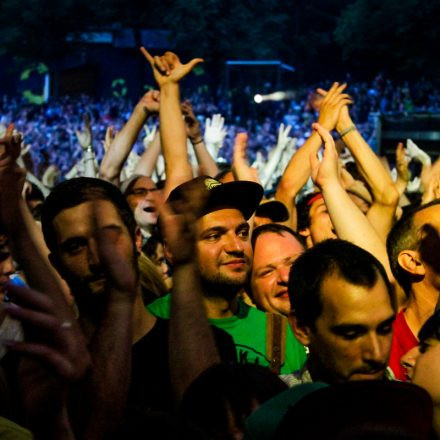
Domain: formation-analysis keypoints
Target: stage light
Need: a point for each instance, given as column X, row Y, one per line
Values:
column 258, row 99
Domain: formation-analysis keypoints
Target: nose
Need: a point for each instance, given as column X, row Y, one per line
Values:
column 375, row 350
column 408, row 360
column 283, row 274
column 233, row 243
column 93, row 253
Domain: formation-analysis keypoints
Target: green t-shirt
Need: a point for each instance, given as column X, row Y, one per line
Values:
column 248, row 330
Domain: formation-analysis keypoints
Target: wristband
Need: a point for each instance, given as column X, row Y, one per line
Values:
column 347, row 130
column 198, row 142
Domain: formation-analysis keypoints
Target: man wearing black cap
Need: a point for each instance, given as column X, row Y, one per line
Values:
column 224, row 256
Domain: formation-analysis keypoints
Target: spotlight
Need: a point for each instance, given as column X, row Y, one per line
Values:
column 258, row 99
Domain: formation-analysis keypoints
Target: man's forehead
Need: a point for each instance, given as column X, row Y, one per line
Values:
column 273, row 240
column 219, row 217
column 344, row 302
column 430, row 215
column 92, row 212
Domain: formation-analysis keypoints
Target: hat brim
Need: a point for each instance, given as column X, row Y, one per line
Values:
column 242, row 195
column 274, row 210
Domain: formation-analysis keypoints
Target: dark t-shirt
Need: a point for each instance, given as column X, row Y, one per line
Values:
column 150, row 388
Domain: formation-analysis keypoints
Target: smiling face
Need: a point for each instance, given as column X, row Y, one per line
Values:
column 274, row 253
column 351, row 339
column 224, row 248
column 143, row 199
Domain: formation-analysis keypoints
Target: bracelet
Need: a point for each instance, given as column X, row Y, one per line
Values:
column 347, row 130
column 198, row 142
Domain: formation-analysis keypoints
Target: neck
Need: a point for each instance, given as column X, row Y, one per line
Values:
column 421, row 305
column 217, row 307
column 220, row 299
column 316, row 372
column 143, row 320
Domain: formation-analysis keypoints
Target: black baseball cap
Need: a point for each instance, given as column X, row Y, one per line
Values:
column 241, row 194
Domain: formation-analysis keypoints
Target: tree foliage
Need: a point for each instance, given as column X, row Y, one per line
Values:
column 397, row 35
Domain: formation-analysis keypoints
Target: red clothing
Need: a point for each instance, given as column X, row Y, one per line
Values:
column 403, row 341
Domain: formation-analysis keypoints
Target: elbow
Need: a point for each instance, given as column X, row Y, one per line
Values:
column 391, row 196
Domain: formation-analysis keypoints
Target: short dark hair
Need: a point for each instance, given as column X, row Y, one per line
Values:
column 303, row 211
column 404, row 236
column 308, row 272
column 276, row 228
column 73, row 192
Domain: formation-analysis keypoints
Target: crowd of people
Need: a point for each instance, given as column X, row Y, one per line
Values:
column 218, row 281
column 50, row 128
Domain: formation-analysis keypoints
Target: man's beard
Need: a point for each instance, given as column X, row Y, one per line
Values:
column 222, row 286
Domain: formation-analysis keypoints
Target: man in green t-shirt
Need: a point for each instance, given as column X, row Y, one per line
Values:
column 224, row 259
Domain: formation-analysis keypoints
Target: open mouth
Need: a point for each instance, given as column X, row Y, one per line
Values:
column 149, row 209
column 282, row 294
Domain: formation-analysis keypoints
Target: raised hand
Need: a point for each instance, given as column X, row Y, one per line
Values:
column 150, row 102
column 150, row 133
column 54, row 335
column 192, row 124
column 283, row 136
column 402, row 162
column 55, row 358
column 85, row 136
column 168, row 68
column 10, row 147
column 110, row 134
column 326, row 171
column 416, row 153
column 215, row 130
column 178, row 220
column 332, row 104
column 240, row 166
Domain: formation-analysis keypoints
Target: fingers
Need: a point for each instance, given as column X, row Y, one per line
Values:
column 325, row 134
column 314, row 165
column 53, row 357
column 40, row 320
column 193, row 63
column 147, row 55
column 241, row 141
column 30, row 297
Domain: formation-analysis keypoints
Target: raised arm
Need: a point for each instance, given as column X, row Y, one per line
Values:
column 148, row 160
column 192, row 125
column 298, row 170
column 55, row 360
column 240, row 165
column 385, row 194
column 25, row 237
column 85, row 140
column 192, row 347
column 115, row 157
column 168, row 72
column 349, row 222
column 266, row 174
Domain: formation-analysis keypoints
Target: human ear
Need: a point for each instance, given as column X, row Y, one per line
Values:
column 409, row 260
column 301, row 332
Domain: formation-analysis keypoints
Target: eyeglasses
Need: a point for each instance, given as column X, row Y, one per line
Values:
column 142, row 191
